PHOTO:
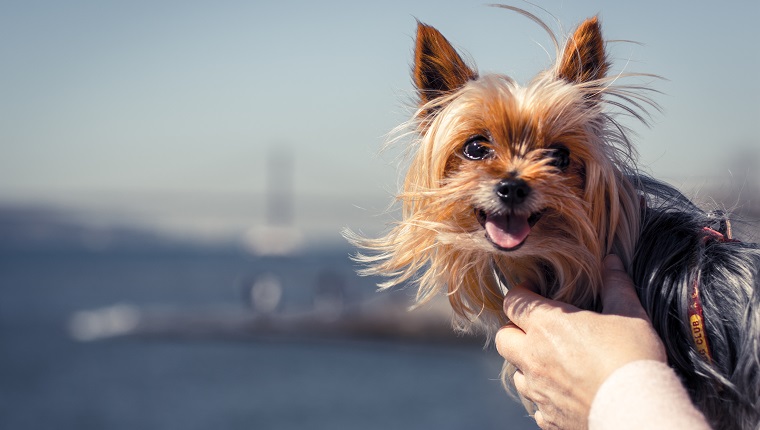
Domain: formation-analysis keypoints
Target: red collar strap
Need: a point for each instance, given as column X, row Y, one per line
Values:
column 696, row 318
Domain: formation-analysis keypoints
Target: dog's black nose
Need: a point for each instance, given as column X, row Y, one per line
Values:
column 512, row 191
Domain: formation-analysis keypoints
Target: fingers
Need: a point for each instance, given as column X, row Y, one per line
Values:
column 510, row 343
column 618, row 292
column 540, row 421
column 613, row 263
column 543, row 419
column 520, row 302
column 525, row 309
column 521, row 385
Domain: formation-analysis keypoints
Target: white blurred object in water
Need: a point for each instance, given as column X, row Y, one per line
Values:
column 266, row 293
column 102, row 323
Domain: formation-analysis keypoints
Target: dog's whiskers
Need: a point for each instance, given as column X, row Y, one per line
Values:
column 486, row 155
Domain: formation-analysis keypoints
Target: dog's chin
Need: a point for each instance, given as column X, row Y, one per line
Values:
column 507, row 232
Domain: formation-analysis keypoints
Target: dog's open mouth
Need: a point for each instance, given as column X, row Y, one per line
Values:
column 507, row 232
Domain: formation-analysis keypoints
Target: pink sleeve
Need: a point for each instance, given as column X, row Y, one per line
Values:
column 644, row 395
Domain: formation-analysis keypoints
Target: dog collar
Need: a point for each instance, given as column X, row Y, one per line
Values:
column 697, row 323
column 696, row 316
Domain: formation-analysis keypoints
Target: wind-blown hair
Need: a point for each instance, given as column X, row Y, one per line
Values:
column 433, row 246
column 538, row 183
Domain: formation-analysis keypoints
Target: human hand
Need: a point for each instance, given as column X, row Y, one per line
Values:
column 563, row 354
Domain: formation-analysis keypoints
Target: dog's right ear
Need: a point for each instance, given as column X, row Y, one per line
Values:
column 438, row 68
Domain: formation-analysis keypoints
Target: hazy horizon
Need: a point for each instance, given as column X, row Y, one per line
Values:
column 163, row 114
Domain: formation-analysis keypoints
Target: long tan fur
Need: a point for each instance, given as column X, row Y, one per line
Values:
column 439, row 244
column 511, row 183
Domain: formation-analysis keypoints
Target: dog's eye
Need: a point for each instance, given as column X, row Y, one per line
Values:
column 560, row 157
column 476, row 148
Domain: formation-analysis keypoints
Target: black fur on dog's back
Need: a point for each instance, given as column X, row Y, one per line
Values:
column 672, row 251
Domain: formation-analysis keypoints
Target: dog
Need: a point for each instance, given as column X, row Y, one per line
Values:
column 510, row 183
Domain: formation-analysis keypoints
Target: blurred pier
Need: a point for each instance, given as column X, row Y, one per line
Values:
column 371, row 321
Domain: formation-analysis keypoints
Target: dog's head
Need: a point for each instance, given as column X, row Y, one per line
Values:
column 525, row 180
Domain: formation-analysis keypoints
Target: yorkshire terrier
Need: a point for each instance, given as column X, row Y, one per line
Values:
column 511, row 183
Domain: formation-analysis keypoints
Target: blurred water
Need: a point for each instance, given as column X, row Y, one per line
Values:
column 49, row 381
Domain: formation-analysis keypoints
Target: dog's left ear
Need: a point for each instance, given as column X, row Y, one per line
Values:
column 438, row 68
column 584, row 58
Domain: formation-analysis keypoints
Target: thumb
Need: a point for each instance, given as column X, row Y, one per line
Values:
column 618, row 292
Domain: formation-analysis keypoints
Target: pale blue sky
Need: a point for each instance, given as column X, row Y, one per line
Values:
column 165, row 110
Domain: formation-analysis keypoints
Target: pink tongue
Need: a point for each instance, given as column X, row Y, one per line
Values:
column 507, row 231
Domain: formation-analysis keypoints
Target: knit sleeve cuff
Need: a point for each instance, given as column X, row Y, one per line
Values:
column 644, row 394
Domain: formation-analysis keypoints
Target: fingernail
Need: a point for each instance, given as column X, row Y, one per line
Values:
column 612, row 262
